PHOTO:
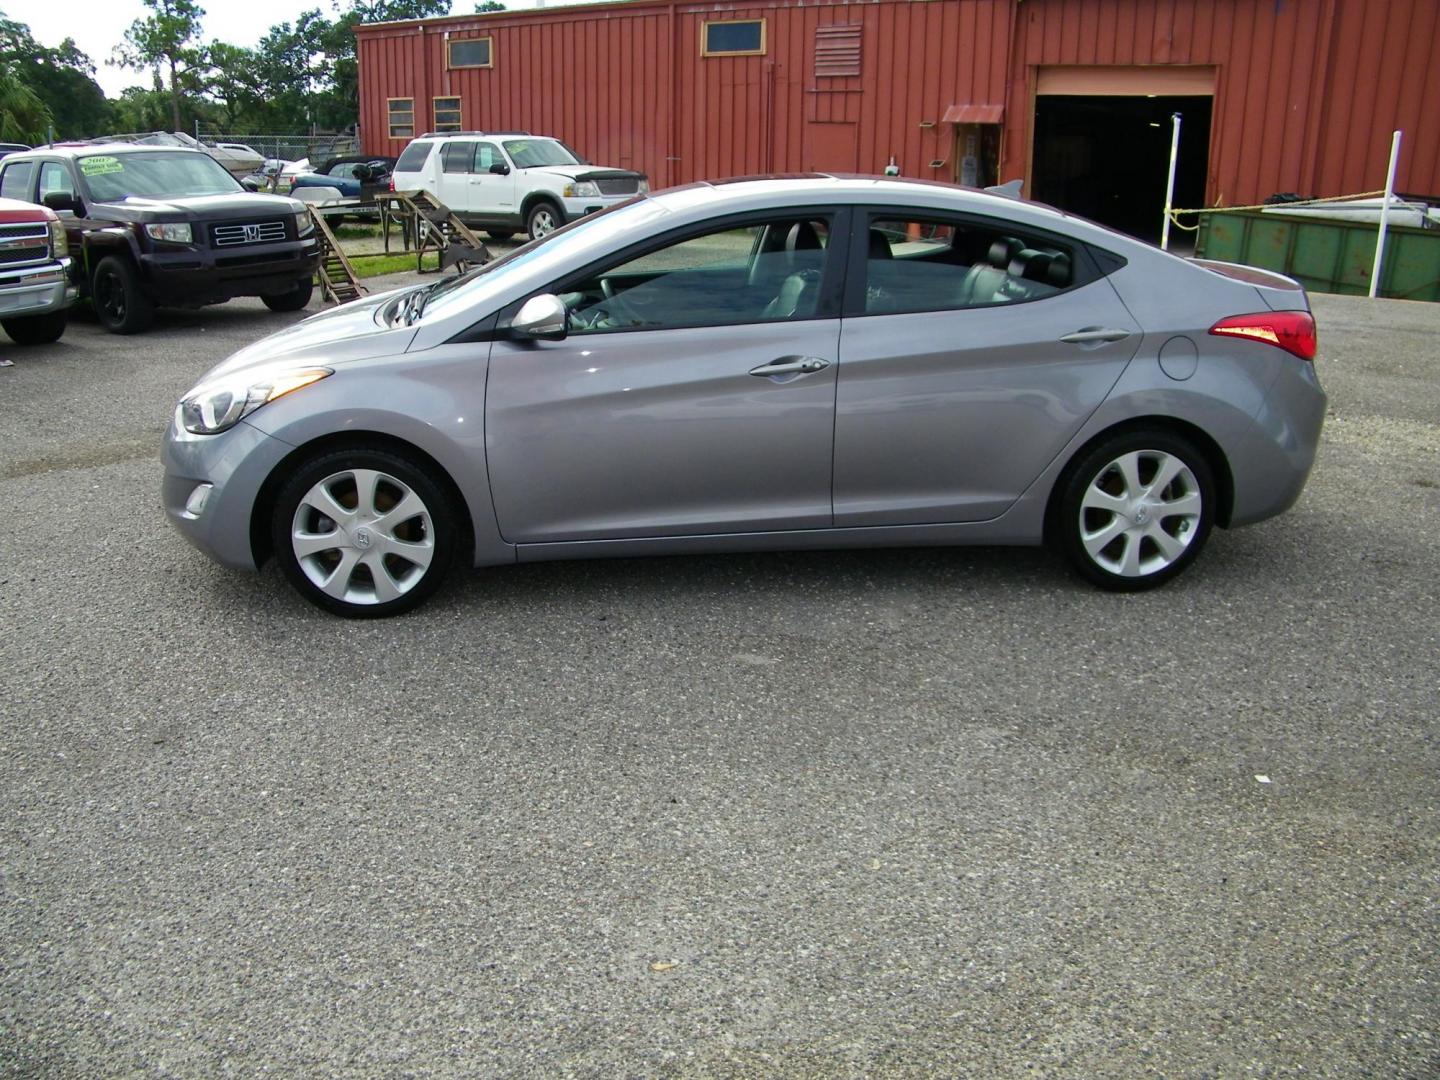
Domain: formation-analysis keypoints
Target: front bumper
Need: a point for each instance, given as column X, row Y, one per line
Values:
column 576, row 208
column 198, row 275
column 234, row 465
column 36, row 290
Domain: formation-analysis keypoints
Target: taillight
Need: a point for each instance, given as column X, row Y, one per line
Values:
column 1293, row 331
column 392, row 183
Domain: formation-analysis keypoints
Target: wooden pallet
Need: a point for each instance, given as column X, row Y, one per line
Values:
column 433, row 227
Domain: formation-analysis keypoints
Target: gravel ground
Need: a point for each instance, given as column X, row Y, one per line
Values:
column 892, row 814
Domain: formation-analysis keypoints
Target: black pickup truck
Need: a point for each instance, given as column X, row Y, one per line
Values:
column 166, row 227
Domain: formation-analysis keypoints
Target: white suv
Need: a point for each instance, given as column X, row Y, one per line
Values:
column 504, row 181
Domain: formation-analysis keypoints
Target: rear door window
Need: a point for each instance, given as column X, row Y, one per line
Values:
column 454, row 158
column 925, row 262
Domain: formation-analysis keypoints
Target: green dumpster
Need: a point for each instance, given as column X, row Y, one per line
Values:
column 1325, row 255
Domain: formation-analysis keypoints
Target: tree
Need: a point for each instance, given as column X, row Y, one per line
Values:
column 168, row 38
column 23, row 116
column 62, row 78
column 489, row 5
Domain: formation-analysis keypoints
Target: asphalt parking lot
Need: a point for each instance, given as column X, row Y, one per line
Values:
column 893, row 814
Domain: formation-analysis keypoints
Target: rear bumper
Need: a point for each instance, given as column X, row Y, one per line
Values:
column 36, row 290
column 201, row 275
column 1280, row 447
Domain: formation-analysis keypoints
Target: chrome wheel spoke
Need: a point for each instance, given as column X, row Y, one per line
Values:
column 306, row 544
column 386, row 587
column 319, row 499
column 419, row 553
column 1097, row 541
column 1168, row 469
column 1097, row 498
column 408, row 507
column 1130, row 560
column 1187, row 505
column 1169, row 546
column 1129, row 466
column 337, row 584
column 366, row 481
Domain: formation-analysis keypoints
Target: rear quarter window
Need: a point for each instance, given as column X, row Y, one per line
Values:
column 414, row 157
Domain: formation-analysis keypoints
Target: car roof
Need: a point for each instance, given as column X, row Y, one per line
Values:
column 74, row 150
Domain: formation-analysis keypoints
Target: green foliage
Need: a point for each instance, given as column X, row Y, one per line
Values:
column 61, row 78
column 23, row 116
column 168, row 39
column 489, row 5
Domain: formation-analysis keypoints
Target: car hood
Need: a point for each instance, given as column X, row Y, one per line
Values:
column 196, row 208
column 339, row 336
column 587, row 172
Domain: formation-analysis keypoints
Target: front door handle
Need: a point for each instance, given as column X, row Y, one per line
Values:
column 1093, row 334
column 791, row 365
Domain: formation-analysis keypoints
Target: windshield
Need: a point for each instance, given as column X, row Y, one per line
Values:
column 159, row 173
column 529, row 153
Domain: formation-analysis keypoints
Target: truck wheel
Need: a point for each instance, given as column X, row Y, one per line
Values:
column 293, row 300
column 544, row 218
column 35, row 329
column 119, row 300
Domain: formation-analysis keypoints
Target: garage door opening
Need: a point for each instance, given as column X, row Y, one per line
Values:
column 1107, row 157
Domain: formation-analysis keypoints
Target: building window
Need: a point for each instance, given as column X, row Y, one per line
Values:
column 402, row 117
column 733, row 38
column 468, row 53
column 447, row 114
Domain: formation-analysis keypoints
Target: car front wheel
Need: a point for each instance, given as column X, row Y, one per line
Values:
column 119, row 298
column 35, row 329
column 1135, row 510
column 294, row 300
column 544, row 218
column 364, row 533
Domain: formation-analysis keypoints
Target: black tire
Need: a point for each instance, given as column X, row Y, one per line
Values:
column 1132, row 559
column 294, row 300
column 35, row 329
column 443, row 531
column 119, row 298
column 500, row 234
column 544, row 216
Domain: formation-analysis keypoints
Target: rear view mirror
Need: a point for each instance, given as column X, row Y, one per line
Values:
column 500, row 169
column 544, row 317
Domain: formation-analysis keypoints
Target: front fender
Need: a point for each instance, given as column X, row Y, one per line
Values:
column 436, row 405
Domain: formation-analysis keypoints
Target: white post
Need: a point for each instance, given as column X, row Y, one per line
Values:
column 1385, row 215
column 1170, row 183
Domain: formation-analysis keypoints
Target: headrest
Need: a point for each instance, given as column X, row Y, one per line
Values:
column 879, row 246
column 1059, row 272
column 1003, row 251
column 802, row 237
column 1023, row 261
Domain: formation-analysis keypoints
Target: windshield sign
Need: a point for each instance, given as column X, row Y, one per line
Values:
column 159, row 174
column 530, row 153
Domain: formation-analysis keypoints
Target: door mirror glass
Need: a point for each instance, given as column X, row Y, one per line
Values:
column 61, row 202
column 542, row 317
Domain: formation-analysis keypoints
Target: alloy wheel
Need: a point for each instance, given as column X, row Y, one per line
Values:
column 1140, row 513
column 363, row 536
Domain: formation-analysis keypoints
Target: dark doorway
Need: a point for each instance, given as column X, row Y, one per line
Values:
column 1106, row 158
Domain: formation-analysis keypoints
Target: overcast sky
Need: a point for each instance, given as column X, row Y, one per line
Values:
column 97, row 26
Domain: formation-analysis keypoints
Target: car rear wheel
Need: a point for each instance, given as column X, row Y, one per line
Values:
column 118, row 297
column 544, row 218
column 1135, row 510
column 364, row 533
column 35, row 329
column 294, row 300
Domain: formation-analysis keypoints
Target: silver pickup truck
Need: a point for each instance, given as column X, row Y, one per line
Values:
column 35, row 288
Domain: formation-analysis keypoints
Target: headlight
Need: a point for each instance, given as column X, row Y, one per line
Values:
column 59, row 242
column 304, row 223
column 585, row 189
column 219, row 406
column 644, row 187
column 174, row 234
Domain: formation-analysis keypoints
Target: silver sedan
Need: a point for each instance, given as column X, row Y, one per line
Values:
column 798, row 362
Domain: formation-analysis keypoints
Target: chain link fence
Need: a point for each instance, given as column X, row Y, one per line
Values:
column 317, row 146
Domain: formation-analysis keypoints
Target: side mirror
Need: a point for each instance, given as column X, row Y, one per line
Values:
column 61, row 200
column 499, row 168
column 544, row 317
column 249, row 183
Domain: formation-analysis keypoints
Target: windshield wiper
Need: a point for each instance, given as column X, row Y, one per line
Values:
column 415, row 303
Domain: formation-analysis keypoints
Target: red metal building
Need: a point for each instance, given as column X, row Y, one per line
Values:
column 1072, row 95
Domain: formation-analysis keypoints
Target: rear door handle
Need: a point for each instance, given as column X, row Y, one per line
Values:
column 791, row 365
column 1093, row 334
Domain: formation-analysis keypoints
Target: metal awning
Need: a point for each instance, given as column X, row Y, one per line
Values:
column 974, row 114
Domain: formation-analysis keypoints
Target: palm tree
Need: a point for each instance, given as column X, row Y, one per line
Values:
column 23, row 116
